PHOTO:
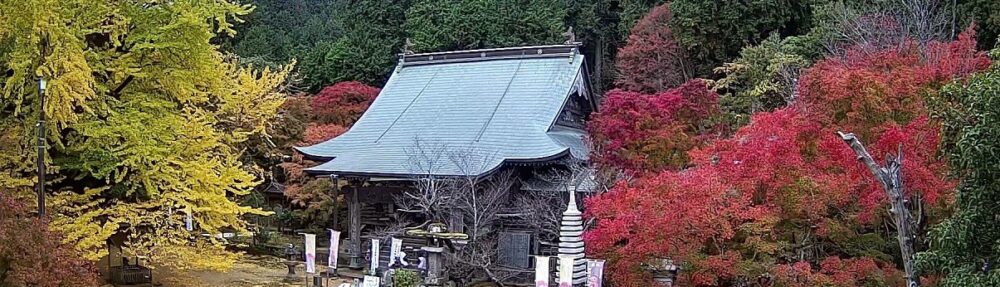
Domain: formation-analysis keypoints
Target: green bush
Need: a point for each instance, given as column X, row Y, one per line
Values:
column 406, row 278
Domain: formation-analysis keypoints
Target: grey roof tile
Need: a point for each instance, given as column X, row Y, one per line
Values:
column 486, row 112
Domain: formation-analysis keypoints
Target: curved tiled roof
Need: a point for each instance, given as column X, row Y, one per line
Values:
column 462, row 116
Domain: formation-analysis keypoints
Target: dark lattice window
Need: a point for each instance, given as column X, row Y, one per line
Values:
column 456, row 222
column 514, row 249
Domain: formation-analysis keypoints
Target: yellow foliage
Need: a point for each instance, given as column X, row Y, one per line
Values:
column 146, row 116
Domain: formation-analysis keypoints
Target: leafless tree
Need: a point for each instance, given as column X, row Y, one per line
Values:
column 479, row 204
column 475, row 195
column 479, row 199
column 432, row 196
column 478, row 260
column 542, row 210
column 880, row 24
column 385, row 233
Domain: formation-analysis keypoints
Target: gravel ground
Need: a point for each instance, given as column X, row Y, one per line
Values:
column 252, row 271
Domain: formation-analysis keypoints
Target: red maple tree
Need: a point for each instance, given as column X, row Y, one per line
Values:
column 647, row 133
column 316, row 133
column 331, row 113
column 651, row 61
column 783, row 195
column 836, row 272
column 342, row 103
column 33, row 255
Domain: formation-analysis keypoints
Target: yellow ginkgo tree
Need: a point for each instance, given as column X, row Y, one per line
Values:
column 146, row 121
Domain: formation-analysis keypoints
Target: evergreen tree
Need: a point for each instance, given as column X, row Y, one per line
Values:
column 715, row 31
column 434, row 25
column 596, row 25
column 282, row 30
column 966, row 247
column 367, row 50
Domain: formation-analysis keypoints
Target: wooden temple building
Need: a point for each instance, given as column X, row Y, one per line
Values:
column 519, row 110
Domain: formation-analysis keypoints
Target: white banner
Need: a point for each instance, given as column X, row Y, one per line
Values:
column 310, row 253
column 565, row 271
column 375, row 254
column 595, row 272
column 334, row 247
column 542, row 271
column 394, row 250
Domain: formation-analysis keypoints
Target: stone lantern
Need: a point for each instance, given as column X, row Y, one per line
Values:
column 664, row 271
column 438, row 238
column 291, row 256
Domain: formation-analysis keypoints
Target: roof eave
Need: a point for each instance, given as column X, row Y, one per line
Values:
column 506, row 162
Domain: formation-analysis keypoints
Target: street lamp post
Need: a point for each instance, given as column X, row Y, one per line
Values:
column 41, row 147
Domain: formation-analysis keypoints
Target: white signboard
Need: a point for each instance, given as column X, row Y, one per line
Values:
column 541, row 271
column 370, row 281
column 310, row 253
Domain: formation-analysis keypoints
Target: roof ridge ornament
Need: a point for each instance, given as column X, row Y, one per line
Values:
column 570, row 36
column 408, row 47
column 407, row 51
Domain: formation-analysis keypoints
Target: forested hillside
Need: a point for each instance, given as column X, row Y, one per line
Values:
column 352, row 40
column 717, row 129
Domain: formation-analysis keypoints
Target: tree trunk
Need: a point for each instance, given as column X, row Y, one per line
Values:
column 599, row 65
column 890, row 177
column 4, row 267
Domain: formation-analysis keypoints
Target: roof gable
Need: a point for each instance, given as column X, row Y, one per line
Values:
column 499, row 107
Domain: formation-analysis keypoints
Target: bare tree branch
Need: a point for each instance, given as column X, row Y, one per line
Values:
column 472, row 197
column 876, row 25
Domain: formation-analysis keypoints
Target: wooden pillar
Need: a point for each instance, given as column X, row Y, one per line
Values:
column 336, row 204
column 354, row 216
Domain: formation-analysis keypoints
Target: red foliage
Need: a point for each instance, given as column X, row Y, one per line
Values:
column 295, row 169
column 881, row 96
column 633, row 228
column 32, row 255
column 317, row 133
column 343, row 103
column 783, row 185
column 867, row 90
column 747, row 197
column 636, row 132
column 732, row 200
column 333, row 110
column 651, row 61
column 836, row 272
